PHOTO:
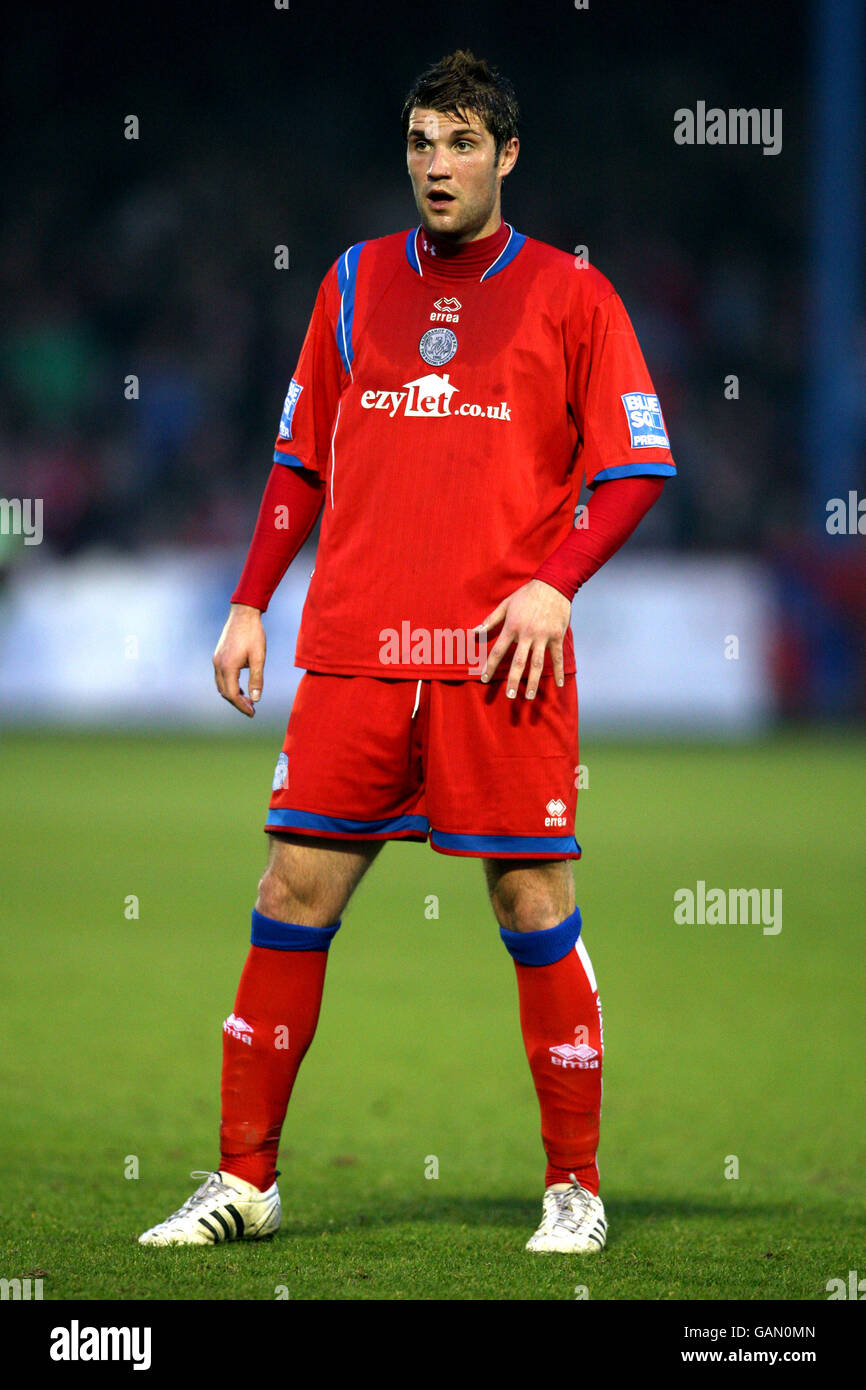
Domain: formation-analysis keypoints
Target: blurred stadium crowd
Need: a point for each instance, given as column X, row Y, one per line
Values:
column 155, row 259
column 171, row 279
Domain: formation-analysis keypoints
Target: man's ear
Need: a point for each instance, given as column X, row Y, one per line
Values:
column 508, row 156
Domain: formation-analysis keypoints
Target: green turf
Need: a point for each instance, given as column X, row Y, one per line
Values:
column 719, row 1040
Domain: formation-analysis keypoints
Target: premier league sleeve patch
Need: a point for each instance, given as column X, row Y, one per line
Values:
column 644, row 415
column 291, row 401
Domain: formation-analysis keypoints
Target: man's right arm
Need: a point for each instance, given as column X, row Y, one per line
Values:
column 292, row 500
column 290, row 506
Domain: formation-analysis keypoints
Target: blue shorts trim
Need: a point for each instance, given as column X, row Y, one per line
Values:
column 514, row 846
column 417, row 826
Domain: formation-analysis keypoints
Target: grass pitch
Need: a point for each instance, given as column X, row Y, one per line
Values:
column 727, row 1048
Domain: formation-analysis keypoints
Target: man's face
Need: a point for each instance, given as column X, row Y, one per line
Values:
column 455, row 176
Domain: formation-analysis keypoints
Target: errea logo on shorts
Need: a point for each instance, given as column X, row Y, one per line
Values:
column 429, row 397
column 555, row 812
column 645, row 423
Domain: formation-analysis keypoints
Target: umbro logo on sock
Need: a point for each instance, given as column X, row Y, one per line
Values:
column 239, row 1028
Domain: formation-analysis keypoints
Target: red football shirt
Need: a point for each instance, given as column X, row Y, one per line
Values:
column 452, row 404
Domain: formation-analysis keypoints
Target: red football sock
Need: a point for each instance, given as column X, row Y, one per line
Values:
column 560, row 1017
column 275, row 1016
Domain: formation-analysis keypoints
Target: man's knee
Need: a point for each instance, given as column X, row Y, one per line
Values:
column 307, row 883
column 280, row 898
column 530, row 895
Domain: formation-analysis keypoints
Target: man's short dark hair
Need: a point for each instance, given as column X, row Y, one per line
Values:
column 462, row 83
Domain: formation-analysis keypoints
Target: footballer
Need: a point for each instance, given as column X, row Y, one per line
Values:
column 458, row 382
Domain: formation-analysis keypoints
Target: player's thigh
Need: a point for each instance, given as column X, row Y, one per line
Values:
column 309, row 881
column 500, row 774
column 530, row 894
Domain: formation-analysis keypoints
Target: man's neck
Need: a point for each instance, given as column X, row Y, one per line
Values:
column 466, row 259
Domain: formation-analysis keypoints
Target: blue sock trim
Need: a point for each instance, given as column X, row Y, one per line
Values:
column 288, row 936
column 543, row 947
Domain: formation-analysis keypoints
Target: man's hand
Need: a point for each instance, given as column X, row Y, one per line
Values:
column 535, row 617
column 241, row 645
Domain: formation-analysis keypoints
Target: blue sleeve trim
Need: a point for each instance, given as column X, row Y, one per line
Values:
column 291, row 461
column 347, row 271
column 505, row 844
column 288, row 936
column 635, row 470
column 544, row 947
column 337, row 825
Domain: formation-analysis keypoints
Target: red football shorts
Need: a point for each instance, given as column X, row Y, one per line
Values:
column 372, row 759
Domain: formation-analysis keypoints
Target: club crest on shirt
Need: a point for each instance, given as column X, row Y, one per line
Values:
column 438, row 345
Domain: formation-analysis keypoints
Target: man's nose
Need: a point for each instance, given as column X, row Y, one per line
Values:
column 438, row 167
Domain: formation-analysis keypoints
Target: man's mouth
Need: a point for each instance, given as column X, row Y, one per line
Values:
column 438, row 198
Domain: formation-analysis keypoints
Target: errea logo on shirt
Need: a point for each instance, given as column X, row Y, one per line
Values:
column 429, row 397
column 446, row 311
column 646, row 426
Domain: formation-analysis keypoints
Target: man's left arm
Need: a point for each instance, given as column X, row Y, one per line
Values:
column 536, row 616
column 625, row 457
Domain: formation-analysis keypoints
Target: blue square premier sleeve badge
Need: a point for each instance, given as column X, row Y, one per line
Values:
column 644, row 415
column 291, row 401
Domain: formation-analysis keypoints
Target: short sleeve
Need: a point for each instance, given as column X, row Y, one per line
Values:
column 618, row 413
column 311, row 401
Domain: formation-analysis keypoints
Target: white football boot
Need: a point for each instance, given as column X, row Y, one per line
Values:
column 223, row 1208
column 573, row 1221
